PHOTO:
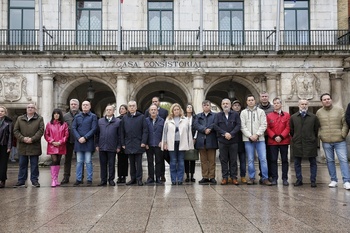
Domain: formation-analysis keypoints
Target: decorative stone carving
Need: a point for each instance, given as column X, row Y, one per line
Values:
column 12, row 87
column 207, row 80
column 187, row 79
column 305, row 86
column 133, row 79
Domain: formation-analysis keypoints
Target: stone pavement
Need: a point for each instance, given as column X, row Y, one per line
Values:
column 167, row 208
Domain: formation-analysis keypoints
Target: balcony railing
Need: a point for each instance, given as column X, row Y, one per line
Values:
column 175, row 40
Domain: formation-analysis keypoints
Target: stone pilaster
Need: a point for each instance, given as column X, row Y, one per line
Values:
column 198, row 91
column 271, row 85
column 122, row 90
column 336, row 88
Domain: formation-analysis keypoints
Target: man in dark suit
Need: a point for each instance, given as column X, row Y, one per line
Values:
column 162, row 113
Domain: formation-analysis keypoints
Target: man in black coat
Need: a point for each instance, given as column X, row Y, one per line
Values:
column 134, row 135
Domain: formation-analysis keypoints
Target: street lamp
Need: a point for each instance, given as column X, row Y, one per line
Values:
column 90, row 93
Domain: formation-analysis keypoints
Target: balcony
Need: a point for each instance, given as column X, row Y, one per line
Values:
column 175, row 40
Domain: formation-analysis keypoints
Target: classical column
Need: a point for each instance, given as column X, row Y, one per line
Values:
column 122, row 89
column 198, row 91
column 336, row 88
column 271, row 85
column 46, row 106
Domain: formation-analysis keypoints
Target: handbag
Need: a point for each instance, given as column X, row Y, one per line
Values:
column 192, row 154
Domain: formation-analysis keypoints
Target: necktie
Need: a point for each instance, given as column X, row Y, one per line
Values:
column 303, row 114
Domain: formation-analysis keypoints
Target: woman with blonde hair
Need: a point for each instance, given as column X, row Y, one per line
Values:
column 177, row 138
column 5, row 143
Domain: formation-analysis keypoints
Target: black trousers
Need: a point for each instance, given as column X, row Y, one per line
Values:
column 190, row 166
column 107, row 160
column 154, row 153
column 135, row 166
column 123, row 164
column 68, row 159
column 4, row 157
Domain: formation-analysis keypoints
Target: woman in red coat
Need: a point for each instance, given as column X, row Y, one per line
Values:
column 56, row 135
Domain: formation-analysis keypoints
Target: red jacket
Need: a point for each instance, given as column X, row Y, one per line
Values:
column 278, row 125
column 56, row 133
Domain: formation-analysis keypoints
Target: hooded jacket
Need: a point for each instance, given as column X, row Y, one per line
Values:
column 253, row 121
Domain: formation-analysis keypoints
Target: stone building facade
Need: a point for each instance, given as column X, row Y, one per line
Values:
column 209, row 68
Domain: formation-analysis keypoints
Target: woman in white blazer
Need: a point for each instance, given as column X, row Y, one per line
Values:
column 177, row 138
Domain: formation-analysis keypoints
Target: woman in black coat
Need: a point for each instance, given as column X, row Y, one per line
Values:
column 5, row 144
column 190, row 165
column 122, row 166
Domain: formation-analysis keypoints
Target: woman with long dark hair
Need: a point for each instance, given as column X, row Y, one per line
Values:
column 190, row 165
column 56, row 135
column 122, row 157
column 5, row 144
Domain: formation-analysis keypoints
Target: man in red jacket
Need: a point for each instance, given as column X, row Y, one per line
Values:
column 278, row 139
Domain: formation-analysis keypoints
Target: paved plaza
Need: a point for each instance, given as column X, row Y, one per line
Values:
column 167, row 208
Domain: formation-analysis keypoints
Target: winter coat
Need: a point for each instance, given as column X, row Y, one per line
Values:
column 69, row 117
column 347, row 115
column 333, row 125
column 231, row 125
column 278, row 125
column 201, row 123
column 6, row 133
column 267, row 109
column 56, row 132
column 253, row 121
column 84, row 125
column 134, row 132
column 107, row 134
column 155, row 131
column 185, row 131
column 34, row 129
column 162, row 113
column 304, row 132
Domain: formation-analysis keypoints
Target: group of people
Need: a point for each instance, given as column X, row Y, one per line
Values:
column 262, row 129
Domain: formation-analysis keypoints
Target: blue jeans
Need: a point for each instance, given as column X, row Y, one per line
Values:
column 177, row 165
column 260, row 147
column 84, row 156
column 341, row 150
column 23, row 168
column 313, row 168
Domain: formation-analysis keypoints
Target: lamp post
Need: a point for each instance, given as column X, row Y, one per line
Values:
column 90, row 93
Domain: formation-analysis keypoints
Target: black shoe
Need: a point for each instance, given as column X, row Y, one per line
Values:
column 36, row 184
column 131, row 182
column 77, row 183
column 150, row 181
column 298, row 183
column 121, row 180
column 261, row 181
column 213, row 181
column 103, row 183
column 203, row 181
column 193, row 180
column 162, row 178
column 173, row 183
column 187, row 179
column 111, row 183
column 65, row 180
column 285, row 183
column 179, row 183
column 274, row 182
column 89, row 183
column 20, row 185
column 2, row 184
column 313, row 185
column 139, row 183
column 158, row 181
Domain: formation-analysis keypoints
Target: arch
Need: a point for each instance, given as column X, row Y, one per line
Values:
column 174, row 91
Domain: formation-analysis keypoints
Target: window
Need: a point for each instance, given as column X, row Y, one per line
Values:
column 296, row 22
column 231, row 18
column 89, row 22
column 21, row 22
column 160, row 22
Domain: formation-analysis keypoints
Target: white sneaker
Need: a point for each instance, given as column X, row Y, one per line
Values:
column 347, row 185
column 333, row 184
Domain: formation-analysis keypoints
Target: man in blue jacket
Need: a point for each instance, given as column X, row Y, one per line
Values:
column 227, row 125
column 206, row 143
column 108, row 145
column 155, row 131
column 134, row 135
column 84, row 129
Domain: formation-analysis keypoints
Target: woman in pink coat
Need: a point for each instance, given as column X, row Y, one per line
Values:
column 56, row 135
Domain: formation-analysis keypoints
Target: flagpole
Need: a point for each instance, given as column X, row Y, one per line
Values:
column 278, row 19
column 119, row 40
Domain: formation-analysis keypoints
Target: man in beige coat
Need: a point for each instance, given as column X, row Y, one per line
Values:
column 333, row 132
